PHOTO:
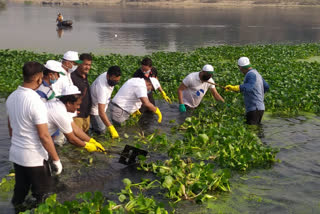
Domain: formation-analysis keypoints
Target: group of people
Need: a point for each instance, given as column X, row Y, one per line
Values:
column 56, row 103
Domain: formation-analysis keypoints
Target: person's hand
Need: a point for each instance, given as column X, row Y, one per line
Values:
column 235, row 88
column 113, row 132
column 136, row 114
column 100, row 147
column 165, row 97
column 57, row 167
column 90, row 147
column 158, row 113
column 182, row 108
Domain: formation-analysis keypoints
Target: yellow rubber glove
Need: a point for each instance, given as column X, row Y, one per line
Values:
column 235, row 88
column 136, row 113
column 158, row 113
column 113, row 132
column 101, row 148
column 90, row 147
column 165, row 97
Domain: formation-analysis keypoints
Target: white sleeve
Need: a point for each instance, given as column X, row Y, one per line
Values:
column 210, row 85
column 102, row 94
column 63, row 121
column 141, row 92
column 187, row 81
column 39, row 112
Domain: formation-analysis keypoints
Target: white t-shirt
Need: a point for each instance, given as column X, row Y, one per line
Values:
column 62, row 82
column 26, row 110
column 128, row 96
column 58, row 117
column 196, row 89
column 100, row 93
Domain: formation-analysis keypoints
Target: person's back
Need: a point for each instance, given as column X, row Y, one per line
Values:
column 25, row 109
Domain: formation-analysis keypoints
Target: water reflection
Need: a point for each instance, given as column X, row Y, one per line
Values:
column 61, row 29
column 145, row 30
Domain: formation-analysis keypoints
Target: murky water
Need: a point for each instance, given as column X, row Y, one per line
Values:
column 140, row 31
column 291, row 186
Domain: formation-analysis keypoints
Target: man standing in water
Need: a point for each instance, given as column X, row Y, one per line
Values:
column 30, row 139
column 194, row 87
column 253, row 89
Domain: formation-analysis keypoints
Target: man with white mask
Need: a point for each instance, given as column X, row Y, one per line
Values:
column 70, row 63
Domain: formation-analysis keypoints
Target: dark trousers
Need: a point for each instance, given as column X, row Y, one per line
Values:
column 151, row 99
column 37, row 178
column 254, row 117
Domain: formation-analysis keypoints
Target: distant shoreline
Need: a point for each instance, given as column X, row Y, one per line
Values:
column 174, row 3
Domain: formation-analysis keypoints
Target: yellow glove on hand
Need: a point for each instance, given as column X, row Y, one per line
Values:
column 100, row 147
column 90, row 147
column 235, row 88
column 165, row 97
column 157, row 112
column 136, row 114
column 113, row 132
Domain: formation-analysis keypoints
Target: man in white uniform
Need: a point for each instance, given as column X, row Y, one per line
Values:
column 58, row 118
column 131, row 96
column 194, row 87
column 70, row 63
column 101, row 90
column 31, row 144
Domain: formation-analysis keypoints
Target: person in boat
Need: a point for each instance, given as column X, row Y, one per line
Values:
column 59, row 18
column 194, row 87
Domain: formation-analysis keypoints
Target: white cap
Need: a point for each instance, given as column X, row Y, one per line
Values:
column 244, row 61
column 155, row 83
column 70, row 90
column 72, row 56
column 55, row 66
column 208, row 68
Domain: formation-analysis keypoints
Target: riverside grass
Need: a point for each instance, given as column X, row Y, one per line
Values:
column 215, row 141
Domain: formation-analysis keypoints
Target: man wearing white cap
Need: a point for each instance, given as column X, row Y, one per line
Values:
column 253, row 89
column 70, row 63
column 194, row 87
column 31, row 144
column 50, row 76
column 58, row 118
column 130, row 97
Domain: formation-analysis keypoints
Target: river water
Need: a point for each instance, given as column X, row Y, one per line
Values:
column 140, row 31
column 290, row 186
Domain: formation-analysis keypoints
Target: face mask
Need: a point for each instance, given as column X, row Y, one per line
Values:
column 205, row 77
column 74, row 67
column 53, row 81
column 112, row 82
column 147, row 72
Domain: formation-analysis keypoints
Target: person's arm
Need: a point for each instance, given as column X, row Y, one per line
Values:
column 145, row 101
column 80, row 133
column 73, row 139
column 103, row 115
column 216, row 94
column 181, row 88
column 46, row 141
column 9, row 127
column 266, row 86
column 248, row 85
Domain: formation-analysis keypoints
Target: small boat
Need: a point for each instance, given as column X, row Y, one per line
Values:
column 65, row 23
